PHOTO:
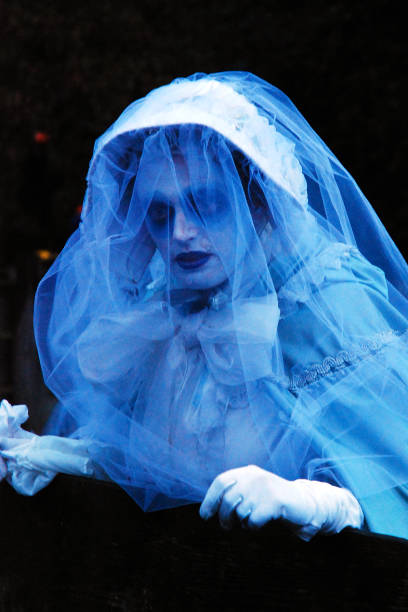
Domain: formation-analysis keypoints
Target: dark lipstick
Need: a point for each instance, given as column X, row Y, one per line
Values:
column 192, row 259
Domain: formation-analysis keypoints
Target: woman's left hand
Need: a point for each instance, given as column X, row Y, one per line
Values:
column 255, row 496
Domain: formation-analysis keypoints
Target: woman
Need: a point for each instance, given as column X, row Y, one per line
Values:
column 228, row 323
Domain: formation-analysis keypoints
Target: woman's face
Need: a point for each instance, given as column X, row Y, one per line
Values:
column 192, row 229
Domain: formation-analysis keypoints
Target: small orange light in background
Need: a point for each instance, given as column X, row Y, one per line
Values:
column 41, row 137
column 78, row 209
column 44, row 255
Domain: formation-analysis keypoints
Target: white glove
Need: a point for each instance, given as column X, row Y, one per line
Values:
column 256, row 497
column 33, row 461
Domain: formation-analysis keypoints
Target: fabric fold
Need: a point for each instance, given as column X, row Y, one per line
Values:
column 33, row 461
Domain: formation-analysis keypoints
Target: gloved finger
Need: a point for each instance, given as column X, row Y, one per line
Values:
column 226, row 512
column 213, row 497
column 260, row 516
column 244, row 510
column 11, row 443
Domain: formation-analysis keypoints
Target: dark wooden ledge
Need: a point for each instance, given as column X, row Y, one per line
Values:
column 83, row 545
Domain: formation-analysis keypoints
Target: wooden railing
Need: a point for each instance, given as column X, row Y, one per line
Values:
column 83, row 545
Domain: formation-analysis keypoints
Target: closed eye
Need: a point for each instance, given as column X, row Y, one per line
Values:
column 211, row 203
column 160, row 213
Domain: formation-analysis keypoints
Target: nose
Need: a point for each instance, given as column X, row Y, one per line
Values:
column 183, row 228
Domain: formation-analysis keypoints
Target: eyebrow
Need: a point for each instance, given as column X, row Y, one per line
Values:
column 161, row 197
column 187, row 194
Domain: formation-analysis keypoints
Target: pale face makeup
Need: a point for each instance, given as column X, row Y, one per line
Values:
column 178, row 222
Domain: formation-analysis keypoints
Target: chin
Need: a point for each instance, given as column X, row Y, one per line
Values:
column 209, row 276
column 199, row 280
column 198, row 284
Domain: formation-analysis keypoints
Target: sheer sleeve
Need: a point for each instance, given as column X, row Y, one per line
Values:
column 230, row 298
column 350, row 395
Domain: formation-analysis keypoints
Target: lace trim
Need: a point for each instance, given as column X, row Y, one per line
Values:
column 343, row 359
column 217, row 105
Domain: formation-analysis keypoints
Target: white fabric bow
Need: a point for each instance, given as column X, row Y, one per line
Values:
column 236, row 340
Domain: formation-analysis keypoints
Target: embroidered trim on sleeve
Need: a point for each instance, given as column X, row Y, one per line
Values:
column 344, row 358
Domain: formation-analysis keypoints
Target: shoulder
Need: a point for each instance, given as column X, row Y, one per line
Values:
column 327, row 268
column 335, row 302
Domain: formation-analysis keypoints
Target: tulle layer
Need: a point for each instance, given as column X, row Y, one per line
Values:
column 230, row 298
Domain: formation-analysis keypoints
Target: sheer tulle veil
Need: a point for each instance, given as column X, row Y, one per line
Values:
column 230, row 297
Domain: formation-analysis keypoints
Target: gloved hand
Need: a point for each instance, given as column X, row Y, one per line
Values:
column 30, row 462
column 257, row 496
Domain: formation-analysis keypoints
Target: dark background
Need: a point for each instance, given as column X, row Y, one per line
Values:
column 69, row 68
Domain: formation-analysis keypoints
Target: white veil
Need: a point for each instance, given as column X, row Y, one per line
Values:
column 230, row 297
